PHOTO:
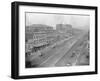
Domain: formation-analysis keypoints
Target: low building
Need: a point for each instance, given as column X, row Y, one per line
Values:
column 40, row 35
column 36, row 31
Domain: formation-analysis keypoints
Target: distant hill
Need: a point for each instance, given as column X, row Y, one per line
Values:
column 39, row 25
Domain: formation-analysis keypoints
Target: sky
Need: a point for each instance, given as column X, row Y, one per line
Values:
column 77, row 21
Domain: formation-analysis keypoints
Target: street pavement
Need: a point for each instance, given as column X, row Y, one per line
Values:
column 67, row 59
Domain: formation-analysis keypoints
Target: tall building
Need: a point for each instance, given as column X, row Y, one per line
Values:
column 64, row 28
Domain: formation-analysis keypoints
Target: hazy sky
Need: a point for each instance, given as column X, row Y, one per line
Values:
column 77, row 21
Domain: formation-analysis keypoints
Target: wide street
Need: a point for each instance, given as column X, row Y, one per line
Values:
column 58, row 54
